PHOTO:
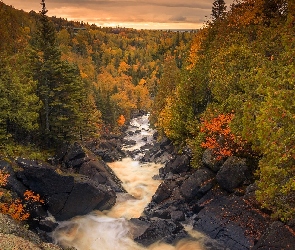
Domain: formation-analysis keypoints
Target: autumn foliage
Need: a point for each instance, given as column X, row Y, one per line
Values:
column 219, row 136
column 121, row 120
column 18, row 209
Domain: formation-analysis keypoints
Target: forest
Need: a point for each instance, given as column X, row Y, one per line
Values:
column 228, row 87
column 63, row 81
column 235, row 96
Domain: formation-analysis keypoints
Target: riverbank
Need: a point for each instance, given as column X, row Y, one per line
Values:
column 217, row 200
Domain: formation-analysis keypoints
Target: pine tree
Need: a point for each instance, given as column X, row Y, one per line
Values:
column 60, row 88
column 218, row 9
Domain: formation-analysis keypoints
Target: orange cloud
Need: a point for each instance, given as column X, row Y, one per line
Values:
column 152, row 14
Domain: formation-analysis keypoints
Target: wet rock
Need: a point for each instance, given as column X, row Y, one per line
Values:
column 233, row 173
column 130, row 133
column 146, row 147
column 161, row 152
column 110, row 150
column 163, row 192
column 160, row 230
column 47, row 225
column 129, row 142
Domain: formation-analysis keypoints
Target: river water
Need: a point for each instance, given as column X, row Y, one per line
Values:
column 110, row 230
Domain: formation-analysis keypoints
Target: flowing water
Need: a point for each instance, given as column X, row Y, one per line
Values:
column 110, row 230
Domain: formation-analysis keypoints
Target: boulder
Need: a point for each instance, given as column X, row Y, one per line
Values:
column 233, row 173
column 110, row 150
column 163, row 192
column 177, row 215
column 197, row 184
column 167, row 231
column 79, row 160
column 209, row 160
column 66, row 196
column 161, row 152
column 101, row 173
column 178, row 165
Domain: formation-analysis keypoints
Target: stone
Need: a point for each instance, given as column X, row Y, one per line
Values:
column 65, row 196
column 197, row 184
column 232, row 174
column 178, row 165
column 210, row 161
column 167, row 231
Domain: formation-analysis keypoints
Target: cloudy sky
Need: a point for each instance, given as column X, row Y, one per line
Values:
column 139, row 14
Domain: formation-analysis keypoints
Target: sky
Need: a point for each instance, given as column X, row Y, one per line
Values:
column 138, row 14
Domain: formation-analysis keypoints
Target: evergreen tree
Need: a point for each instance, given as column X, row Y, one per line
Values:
column 218, row 9
column 60, row 88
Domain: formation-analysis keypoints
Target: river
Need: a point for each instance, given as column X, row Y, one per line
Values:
column 110, row 230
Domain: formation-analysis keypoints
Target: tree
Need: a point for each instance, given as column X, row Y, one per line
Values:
column 19, row 104
column 218, row 10
column 60, row 88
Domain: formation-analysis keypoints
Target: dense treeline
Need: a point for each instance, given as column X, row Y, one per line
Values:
column 237, row 95
column 62, row 80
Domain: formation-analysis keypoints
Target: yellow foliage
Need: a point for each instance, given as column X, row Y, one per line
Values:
column 196, row 48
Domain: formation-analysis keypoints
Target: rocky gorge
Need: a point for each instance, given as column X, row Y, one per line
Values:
column 217, row 199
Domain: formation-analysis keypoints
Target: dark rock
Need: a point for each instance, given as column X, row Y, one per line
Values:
column 209, row 159
column 160, row 230
column 164, row 143
column 129, row 142
column 230, row 220
column 177, row 216
column 13, row 183
column 130, row 133
column 277, row 236
column 197, row 184
column 47, row 225
column 146, row 147
column 144, row 138
column 74, row 151
column 163, row 192
column 66, row 196
column 178, row 165
column 161, row 213
column 232, row 174
column 100, row 172
column 110, row 150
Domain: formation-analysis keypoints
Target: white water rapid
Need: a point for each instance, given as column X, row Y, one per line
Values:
column 110, row 230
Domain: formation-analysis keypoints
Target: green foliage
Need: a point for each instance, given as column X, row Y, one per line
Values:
column 243, row 63
column 19, row 103
column 66, row 113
